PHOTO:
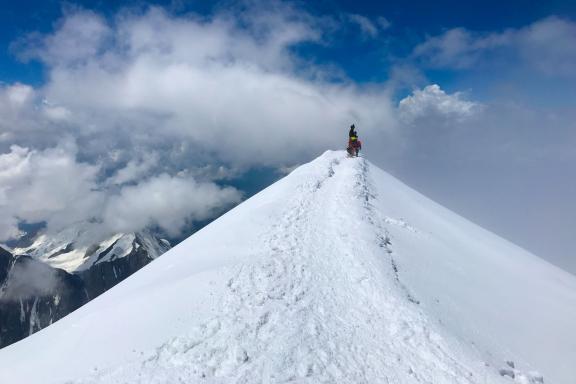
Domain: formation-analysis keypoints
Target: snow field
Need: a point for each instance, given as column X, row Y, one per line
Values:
column 318, row 304
column 336, row 274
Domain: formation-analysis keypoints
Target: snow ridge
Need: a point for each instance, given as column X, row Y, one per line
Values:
column 316, row 305
column 337, row 273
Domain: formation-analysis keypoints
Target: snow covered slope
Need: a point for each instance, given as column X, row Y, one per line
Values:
column 338, row 273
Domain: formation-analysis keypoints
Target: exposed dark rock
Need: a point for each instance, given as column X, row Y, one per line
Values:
column 103, row 276
column 5, row 261
column 34, row 295
column 507, row 372
column 27, row 308
column 68, row 248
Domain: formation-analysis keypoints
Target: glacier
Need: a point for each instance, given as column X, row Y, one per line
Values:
column 338, row 273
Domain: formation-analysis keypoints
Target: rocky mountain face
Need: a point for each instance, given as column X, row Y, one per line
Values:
column 33, row 295
column 109, row 267
column 54, row 275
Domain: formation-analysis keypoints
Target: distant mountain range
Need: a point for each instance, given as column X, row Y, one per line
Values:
column 45, row 277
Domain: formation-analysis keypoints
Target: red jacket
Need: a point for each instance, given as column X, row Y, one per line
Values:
column 355, row 144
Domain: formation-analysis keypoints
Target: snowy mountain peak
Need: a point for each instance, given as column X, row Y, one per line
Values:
column 50, row 275
column 74, row 249
column 337, row 273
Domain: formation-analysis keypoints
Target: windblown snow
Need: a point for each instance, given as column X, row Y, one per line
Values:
column 338, row 273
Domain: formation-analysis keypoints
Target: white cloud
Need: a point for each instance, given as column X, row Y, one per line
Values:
column 142, row 94
column 79, row 36
column 368, row 28
column 19, row 94
column 455, row 48
column 28, row 279
column 55, row 112
column 432, row 103
column 47, row 185
column 149, row 103
column 25, row 121
column 549, row 45
column 166, row 201
column 134, row 170
column 546, row 45
column 227, row 86
column 52, row 186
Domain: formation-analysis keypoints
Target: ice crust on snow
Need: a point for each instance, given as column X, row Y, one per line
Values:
column 337, row 273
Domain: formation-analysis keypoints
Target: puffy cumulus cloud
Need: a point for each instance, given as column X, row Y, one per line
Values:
column 431, row 105
column 166, row 201
column 546, row 45
column 226, row 86
column 436, row 127
column 51, row 186
column 444, row 127
column 242, row 115
column 154, row 107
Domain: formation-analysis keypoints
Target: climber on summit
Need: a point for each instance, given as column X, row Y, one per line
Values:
column 352, row 132
column 354, row 145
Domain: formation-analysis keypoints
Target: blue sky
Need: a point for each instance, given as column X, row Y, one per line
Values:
column 364, row 60
column 472, row 103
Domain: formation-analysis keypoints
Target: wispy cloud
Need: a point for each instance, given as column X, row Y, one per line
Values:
column 369, row 28
column 27, row 279
column 546, row 45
